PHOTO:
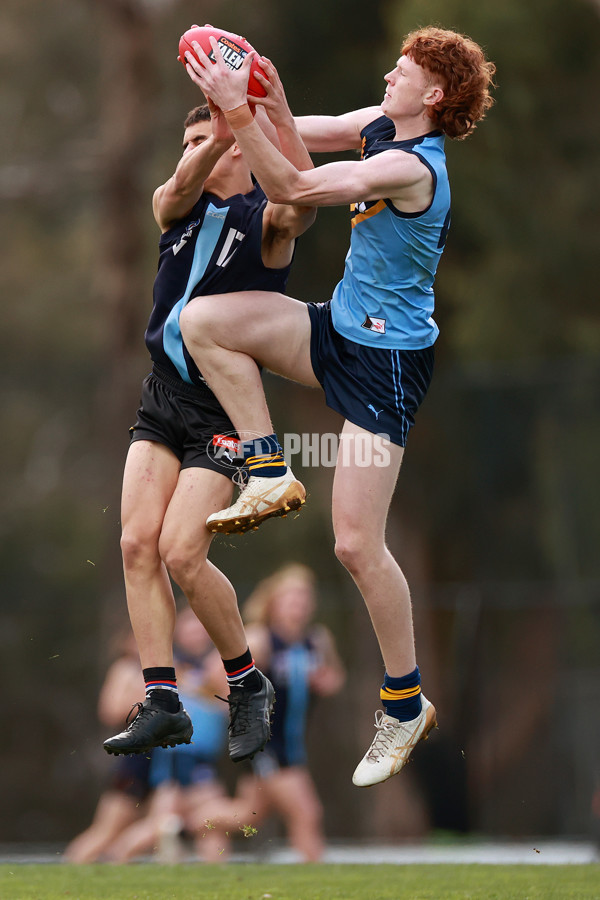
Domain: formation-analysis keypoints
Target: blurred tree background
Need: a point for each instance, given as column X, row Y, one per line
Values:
column 495, row 519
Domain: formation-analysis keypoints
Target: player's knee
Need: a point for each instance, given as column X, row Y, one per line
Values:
column 195, row 321
column 138, row 547
column 182, row 562
column 351, row 551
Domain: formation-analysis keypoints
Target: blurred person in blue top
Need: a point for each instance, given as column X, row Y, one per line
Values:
column 371, row 346
column 302, row 662
column 128, row 782
column 183, row 778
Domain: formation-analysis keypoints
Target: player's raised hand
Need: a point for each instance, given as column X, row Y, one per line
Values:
column 227, row 88
column 275, row 102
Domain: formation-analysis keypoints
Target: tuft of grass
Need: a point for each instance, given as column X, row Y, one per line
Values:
column 249, row 881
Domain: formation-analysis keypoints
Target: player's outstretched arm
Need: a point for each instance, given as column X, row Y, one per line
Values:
column 317, row 133
column 333, row 184
column 284, row 222
column 275, row 105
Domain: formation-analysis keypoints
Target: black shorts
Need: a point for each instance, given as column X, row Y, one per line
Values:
column 375, row 388
column 188, row 420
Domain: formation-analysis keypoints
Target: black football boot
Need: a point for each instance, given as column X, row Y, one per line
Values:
column 151, row 727
column 249, row 719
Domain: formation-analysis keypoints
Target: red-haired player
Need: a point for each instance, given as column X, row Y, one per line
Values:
column 371, row 346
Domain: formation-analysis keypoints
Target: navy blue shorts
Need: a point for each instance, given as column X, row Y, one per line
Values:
column 131, row 776
column 180, row 767
column 188, row 420
column 375, row 388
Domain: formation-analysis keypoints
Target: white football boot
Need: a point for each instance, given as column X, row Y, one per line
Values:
column 261, row 499
column 393, row 744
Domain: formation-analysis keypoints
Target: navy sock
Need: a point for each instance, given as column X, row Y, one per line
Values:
column 241, row 672
column 161, row 687
column 263, row 457
column 401, row 697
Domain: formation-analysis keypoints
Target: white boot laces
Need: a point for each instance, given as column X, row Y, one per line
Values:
column 383, row 739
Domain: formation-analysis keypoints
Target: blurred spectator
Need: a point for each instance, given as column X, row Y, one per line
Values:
column 121, row 804
column 184, row 778
column 301, row 659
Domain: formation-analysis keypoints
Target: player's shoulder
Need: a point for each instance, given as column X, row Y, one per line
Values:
column 378, row 128
column 367, row 116
column 356, row 121
column 171, row 222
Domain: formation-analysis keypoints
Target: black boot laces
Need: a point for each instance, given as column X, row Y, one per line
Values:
column 239, row 713
column 140, row 711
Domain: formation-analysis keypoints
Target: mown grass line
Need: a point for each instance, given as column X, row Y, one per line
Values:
column 299, row 882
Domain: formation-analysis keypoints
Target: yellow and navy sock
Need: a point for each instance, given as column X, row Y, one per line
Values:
column 161, row 687
column 241, row 672
column 401, row 697
column 263, row 457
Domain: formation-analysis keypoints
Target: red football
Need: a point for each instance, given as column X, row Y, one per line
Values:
column 233, row 47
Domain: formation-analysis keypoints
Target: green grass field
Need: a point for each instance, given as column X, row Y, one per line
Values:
column 298, row 882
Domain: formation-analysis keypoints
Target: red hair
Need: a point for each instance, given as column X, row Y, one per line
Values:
column 465, row 74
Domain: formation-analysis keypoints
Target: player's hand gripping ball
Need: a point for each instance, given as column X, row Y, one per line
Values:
column 233, row 47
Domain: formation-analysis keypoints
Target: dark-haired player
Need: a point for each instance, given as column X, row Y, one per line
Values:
column 371, row 346
column 219, row 233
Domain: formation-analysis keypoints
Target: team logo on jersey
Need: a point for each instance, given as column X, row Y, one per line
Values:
column 374, row 324
column 230, row 245
column 185, row 237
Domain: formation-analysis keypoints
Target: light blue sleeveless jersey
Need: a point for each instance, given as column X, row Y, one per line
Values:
column 385, row 298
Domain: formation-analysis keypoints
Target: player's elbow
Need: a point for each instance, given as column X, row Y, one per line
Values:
column 280, row 195
column 292, row 191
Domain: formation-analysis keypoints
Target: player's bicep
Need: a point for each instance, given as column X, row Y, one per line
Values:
column 347, row 182
column 169, row 204
column 389, row 175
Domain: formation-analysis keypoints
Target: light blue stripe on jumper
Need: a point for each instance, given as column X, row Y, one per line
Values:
column 299, row 664
column 210, row 232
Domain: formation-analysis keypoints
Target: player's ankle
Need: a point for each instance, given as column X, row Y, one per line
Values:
column 263, row 457
column 241, row 672
column 401, row 697
column 161, row 687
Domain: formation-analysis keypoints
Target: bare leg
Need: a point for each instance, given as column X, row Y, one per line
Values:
column 164, row 511
column 209, row 844
column 219, row 818
column 114, row 813
column 361, row 499
column 144, row 836
column 151, row 473
column 292, row 793
column 226, row 334
column 184, row 545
